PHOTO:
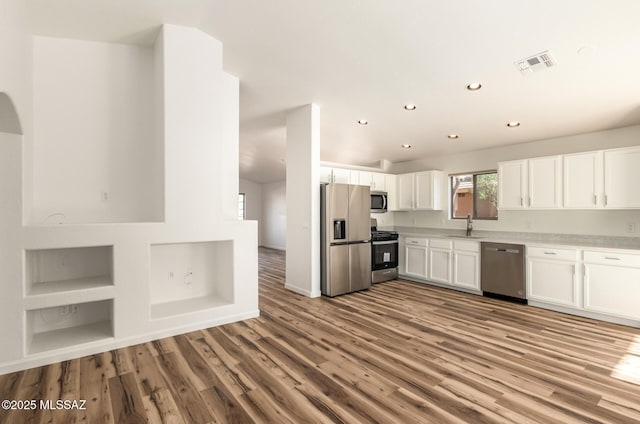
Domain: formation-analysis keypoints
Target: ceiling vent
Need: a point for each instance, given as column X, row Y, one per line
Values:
column 535, row 63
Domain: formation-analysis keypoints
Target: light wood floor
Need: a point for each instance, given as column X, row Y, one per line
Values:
column 400, row 352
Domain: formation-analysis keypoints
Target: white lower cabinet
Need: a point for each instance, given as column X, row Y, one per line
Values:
column 440, row 261
column 612, row 284
column 415, row 257
column 466, row 264
column 552, row 276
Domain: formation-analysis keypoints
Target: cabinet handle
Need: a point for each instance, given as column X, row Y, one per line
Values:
column 550, row 253
column 595, row 199
column 605, row 200
column 522, row 201
column 612, row 258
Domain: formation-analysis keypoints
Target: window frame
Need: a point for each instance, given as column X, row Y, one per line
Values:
column 474, row 176
column 244, row 206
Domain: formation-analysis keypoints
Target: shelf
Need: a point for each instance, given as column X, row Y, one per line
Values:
column 50, row 271
column 61, row 286
column 65, row 337
column 185, row 306
column 188, row 277
column 68, row 325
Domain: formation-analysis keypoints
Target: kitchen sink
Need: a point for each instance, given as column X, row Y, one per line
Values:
column 464, row 237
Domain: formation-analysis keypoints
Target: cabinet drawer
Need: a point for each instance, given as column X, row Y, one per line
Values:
column 612, row 258
column 440, row 243
column 467, row 246
column 553, row 253
column 416, row 241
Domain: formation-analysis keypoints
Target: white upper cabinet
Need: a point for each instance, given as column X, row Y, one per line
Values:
column 420, row 190
column 533, row 183
column 378, row 181
column 392, row 192
column 512, row 186
column 405, row 191
column 341, row 176
column 590, row 180
column 344, row 176
column 583, row 180
column 326, row 174
column 621, row 178
column 545, row 183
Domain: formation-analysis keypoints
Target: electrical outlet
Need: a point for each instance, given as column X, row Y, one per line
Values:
column 104, row 196
column 62, row 260
column 64, row 310
column 631, row 227
column 74, row 309
column 188, row 277
column 170, row 275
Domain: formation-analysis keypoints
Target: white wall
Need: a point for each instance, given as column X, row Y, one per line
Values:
column 612, row 223
column 253, row 203
column 195, row 118
column 94, row 133
column 274, row 215
column 16, row 82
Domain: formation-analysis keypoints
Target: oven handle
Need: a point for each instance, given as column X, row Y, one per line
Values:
column 376, row 243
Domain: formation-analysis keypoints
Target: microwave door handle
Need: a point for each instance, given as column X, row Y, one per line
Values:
column 384, row 203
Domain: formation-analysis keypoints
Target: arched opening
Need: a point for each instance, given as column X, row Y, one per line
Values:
column 9, row 121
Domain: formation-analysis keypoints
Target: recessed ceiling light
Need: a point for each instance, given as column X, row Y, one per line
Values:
column 474, row 86
column 453, row 136
column 513, row 124
column 406, row 146
column 410, row 107
column 363, row 122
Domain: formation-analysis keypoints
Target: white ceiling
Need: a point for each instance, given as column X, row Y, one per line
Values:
column 366, row 59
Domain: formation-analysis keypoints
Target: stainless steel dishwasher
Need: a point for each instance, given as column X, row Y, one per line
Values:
column 502, row 270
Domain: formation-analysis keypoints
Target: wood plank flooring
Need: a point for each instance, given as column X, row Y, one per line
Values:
column 400, row 352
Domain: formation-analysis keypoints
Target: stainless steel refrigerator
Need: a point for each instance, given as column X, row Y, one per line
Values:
column 345, row 235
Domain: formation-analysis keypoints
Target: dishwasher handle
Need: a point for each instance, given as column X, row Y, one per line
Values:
column 496, row 249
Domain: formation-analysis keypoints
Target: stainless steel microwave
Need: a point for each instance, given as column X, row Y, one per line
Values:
column 378, row 201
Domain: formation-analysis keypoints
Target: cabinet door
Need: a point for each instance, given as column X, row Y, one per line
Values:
column 357, row 178
column 545, row 183
column 621, row 177
column 612, row 290
column 341, row 176
column 440, row 265
column 583, row 178
column 416, row 261
column 325, row 174
column 512, row 184
column 466, row 270
column 378, row 181
column 405, row 191
column 423, row 188
column 390, row 182
column 552, row 282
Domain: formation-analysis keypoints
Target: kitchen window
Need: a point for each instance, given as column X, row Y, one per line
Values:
column 475, row 194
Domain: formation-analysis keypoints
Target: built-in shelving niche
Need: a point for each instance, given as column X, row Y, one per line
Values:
column 52, row 271
column 190, row 277
column 65, row 326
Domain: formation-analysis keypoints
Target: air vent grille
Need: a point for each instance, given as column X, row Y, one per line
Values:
column 535, row 63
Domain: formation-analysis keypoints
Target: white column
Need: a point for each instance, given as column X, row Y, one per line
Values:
column 303, row 201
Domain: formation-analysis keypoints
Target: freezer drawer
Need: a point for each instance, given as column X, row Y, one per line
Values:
column 360, row 257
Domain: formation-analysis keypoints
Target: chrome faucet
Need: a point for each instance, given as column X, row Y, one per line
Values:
column 469, row 225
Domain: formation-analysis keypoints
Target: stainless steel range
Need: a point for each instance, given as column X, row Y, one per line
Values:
column 384, row 254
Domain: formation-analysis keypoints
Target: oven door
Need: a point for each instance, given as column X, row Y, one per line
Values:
column 384, row 254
